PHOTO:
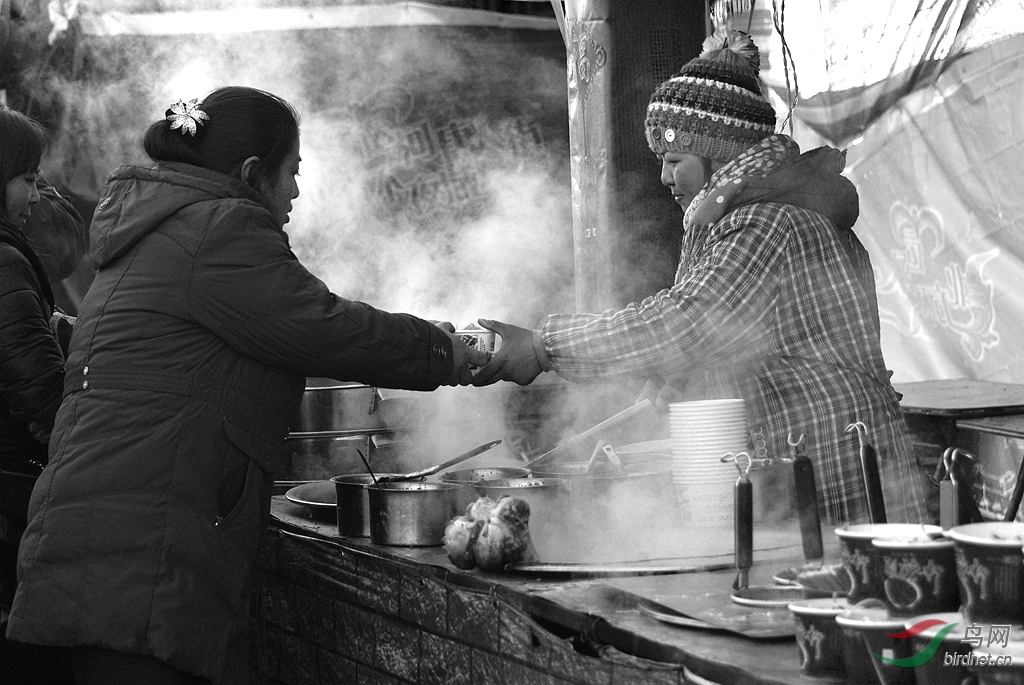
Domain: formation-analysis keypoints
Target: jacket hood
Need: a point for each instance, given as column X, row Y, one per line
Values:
column 812, row 180
column 138, row 199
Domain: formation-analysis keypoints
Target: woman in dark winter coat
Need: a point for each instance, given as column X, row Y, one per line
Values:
column 189, row 357
column 31, row 367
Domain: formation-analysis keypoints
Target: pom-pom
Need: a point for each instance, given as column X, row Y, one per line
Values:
column 733, row 47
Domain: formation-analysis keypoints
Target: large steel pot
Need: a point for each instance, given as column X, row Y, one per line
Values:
column 329, row 405
column 319, row 457
column 600, row 498
column 410, row 514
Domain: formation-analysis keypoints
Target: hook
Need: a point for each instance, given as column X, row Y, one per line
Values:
column 941, row 466
column 949, row 459
column 860, row 428
column 735, row 459
column 799, row 441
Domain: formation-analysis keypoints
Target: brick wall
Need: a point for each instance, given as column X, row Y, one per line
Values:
column 324, row 615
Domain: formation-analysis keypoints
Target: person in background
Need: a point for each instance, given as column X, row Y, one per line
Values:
column 773, row 299
column 188, row 362
column 31, row 373
column 59, row 236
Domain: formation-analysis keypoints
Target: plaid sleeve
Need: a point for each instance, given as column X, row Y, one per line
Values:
column 719, row 310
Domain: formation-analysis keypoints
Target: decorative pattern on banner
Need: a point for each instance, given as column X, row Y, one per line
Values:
column 942, row 214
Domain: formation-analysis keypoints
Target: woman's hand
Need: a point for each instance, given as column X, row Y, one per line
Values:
column 464, row 360
column 515, row 361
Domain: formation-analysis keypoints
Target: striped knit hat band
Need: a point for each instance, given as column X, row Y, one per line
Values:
column 713, row 106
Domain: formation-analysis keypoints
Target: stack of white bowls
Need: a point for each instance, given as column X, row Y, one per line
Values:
column 702, row 433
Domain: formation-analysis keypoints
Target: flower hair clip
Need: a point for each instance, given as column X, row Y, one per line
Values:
column 186, row 116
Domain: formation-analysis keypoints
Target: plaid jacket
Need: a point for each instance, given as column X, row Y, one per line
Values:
column 773, row 302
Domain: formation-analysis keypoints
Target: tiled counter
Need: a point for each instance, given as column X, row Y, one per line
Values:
column 334, row 610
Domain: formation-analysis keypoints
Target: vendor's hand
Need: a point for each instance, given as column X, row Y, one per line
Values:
column 464, row 360
column 515, row 361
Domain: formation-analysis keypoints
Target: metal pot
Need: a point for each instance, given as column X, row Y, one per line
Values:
column 328, row 405
column 353, row 503
column 319, row 457
column 484, row 473
column 468, row 479
column 410, row 514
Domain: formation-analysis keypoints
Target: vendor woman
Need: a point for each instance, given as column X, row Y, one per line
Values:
column 773, row 300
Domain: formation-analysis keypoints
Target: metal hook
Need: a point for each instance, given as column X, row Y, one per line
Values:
column 799, row 441
column 941, row 466
column 860, row 428
column 949, row 459
column 735, row 459
column 949, row 462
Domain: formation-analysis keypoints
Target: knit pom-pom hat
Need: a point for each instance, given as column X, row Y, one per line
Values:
column 713, row 106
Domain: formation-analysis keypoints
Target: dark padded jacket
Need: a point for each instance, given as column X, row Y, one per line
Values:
column 188, row 359
column 31, row 362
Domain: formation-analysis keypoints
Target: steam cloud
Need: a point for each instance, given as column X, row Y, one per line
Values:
column 434, row 181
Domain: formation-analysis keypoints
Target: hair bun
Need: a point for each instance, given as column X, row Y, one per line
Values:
column 735, row 48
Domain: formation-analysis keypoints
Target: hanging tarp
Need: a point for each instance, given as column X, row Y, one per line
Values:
column 942, row 213
column 846, row 62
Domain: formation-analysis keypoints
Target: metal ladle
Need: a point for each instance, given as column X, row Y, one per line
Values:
column 439, row 467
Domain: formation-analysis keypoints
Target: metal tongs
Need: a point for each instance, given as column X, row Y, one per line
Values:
column 869, row 471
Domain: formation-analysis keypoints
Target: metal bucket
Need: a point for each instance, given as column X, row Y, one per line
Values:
column 410, row 514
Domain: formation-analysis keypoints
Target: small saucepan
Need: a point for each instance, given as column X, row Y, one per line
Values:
column 471, row 481
column 409, row 513
column 353, row 503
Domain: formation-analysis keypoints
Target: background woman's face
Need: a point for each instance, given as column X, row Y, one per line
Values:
column 684, row 174
column 21, row 195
